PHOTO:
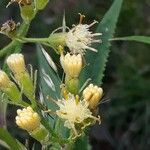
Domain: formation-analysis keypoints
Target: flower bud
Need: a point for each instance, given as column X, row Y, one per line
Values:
column 92, row 94
column 17, row 65
column 26, row 8
column 29, row 120
column 72, row 64
column 4, row 80
column 9, row 88
column 27, row 12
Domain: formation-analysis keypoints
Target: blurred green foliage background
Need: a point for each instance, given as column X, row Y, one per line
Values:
column 125, row 108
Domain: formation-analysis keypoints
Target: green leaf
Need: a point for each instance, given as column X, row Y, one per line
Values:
column 143, row 39
column 49, row 82
column 97, row 61
column 48, row 78
column 9, row 140
column 82, row 143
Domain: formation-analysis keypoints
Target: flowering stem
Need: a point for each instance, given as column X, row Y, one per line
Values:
column 54, row 40
column 34, row 40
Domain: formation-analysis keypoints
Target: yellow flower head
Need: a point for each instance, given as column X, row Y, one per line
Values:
column 27, row 119
column 16, row 63
column 72, row 64
column 92, row 94
column 75, row 111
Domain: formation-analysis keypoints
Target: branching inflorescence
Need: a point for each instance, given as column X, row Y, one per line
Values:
column 76, row 109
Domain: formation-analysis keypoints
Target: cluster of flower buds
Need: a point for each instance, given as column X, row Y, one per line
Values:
column 78, row 112
column 76, row 109
column 21, row 76
column 29, row 120
column 26, row 118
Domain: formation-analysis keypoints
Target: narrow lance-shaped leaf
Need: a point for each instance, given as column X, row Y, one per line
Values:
column 97, row 61
column 142, row 39
column 49, row 81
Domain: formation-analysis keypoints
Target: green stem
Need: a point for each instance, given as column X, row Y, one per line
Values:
column 3, row 107
column 54, row 40
column 34, row 40
column 8, row 48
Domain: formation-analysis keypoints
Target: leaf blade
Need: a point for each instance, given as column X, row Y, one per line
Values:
column 48, row 78
column 98, row 60
column 142, row 39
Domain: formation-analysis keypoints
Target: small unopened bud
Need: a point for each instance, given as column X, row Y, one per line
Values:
column 9, row 88
column 4, row 80
column 16, row 63
column 27, row 12
column 29, row 120
column 72, row 64
column 92, row 94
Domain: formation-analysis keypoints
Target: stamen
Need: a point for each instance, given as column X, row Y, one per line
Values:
column 94, row 22
column 77, row 99
column 90, row 48
column 81, row 18
column 49, row 111
column 96, row 118
column 96, row 34
column 9, row 4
